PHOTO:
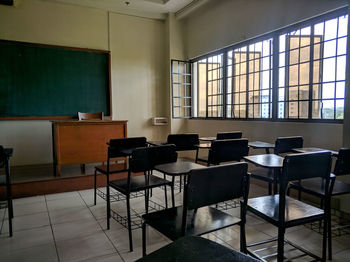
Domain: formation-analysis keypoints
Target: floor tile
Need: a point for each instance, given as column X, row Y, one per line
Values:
column 26, row 239
column 88, row 197
column 79, row 249
column 76, row 229
column 27, row 209
column 62, row 195
column 28, row 222
column 115, row 257
column 70, row 214
column 64, row 203
column 121, row 240
column 137, row 253
column 43, row 253
column 29, row 200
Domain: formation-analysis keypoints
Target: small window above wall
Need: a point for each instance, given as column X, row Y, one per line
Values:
column 181, row 89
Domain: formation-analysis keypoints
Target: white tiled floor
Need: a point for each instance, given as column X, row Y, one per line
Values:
column 68, row 227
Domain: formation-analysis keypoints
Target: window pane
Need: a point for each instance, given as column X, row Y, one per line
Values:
column 339, row 109
column 181, row 89
column 328, row 109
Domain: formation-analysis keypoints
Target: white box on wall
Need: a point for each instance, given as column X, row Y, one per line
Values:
column 159, row 121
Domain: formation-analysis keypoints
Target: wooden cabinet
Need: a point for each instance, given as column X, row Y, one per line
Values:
column 82, row 142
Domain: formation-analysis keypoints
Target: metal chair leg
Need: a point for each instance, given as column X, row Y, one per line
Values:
column 324, row 240
column 108, row 206
column 129, row 221
column 280, row 244
column 329, row 225
column 10, row 215
column 143, row 239
column 82, row 168
column 95, row 187
column 180, row 183
column 172, row 191
column 270, row 188
column 166, row 197
column 243, row 241
column 146, row 200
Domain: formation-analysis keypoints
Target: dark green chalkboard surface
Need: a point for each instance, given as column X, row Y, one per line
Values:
column 52, row 82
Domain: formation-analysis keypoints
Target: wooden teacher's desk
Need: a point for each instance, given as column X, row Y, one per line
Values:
column 82, row 142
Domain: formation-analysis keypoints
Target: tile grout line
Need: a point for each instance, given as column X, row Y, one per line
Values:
column 104, row 232
column 53, row 235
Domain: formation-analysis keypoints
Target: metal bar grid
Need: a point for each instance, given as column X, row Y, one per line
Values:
column 269, row 253
column 3, row 204
column 229, row 204
column 116, row 196
column 136, row 218
column 340, row 225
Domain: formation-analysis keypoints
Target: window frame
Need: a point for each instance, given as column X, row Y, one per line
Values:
column 274, row 35
column 185, row 84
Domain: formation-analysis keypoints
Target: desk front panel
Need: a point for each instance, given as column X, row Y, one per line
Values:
column 86, row 142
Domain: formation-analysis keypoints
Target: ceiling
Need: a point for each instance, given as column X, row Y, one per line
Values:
column 145, row 8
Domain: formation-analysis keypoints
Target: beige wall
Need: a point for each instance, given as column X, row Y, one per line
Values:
column 175, row 50
column 137, row 47
column 215, row 26
column 138, row 67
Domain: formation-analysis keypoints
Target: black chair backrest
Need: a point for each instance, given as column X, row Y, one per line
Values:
column 342, row 165
column 228, row 150
column 184, row 142
column 306, row 165
column 117, row 145
column 2, row 156
column 211, row 185
column 286, row 144
column 4, row 163
column 229, row 135
column 145, row 158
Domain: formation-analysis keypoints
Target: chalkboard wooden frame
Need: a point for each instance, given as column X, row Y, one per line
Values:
column 108, row 88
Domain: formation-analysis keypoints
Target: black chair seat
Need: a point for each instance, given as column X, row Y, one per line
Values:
column 262, row 174
column 199, row 222
column 115, row 168
column 196, row 249
column 316, row 186
column 138, row 183
column 296, row 212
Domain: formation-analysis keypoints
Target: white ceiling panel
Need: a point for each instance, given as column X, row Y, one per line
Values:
column 145, row 8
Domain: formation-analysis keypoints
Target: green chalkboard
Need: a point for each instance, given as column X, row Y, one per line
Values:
column 52, row 82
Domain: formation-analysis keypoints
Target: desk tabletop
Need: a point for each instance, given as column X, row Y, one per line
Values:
column 180, row 167
column 190, row 249
column 207, row 139
column 266, row 160
column 260, row 144
column 204, row 145
column 156, row 143
column 87, row 122
column 313, row 149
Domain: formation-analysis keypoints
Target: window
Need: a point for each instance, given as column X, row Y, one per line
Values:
column 181, row 89
column 312, row 63
column 249, row 81
column 294, row 73
column 208, row 85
